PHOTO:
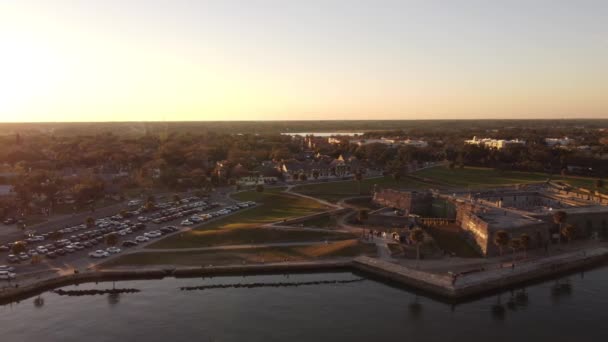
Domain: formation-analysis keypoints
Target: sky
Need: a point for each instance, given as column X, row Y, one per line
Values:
column 148, row 60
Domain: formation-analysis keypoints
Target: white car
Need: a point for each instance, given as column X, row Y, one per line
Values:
column 6, row 275
column 69, row 249
column 153, row 234
column 7, row 268
column 99, row 254
column 142, row 219
column 187, row 223
column 141, row 239
column 113, row 250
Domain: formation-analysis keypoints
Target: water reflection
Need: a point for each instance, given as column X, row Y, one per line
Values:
column 561, row 289
column 113, row 298
column 498, row 310
column 415, row 308
column 39, row 302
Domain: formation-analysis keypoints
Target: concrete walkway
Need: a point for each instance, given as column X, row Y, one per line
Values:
column 226, row 248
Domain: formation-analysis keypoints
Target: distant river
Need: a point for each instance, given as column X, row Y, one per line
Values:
column 323, row 134
column 326, row 307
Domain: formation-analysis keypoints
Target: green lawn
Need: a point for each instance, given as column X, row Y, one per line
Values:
column 346, row 248
column 239, row 236
column 477, row 177
column 273, row 206
column 334, row 191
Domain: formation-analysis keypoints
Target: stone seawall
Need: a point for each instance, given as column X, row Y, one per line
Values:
column 476, row 284
column 17, row 293
column 439, row 284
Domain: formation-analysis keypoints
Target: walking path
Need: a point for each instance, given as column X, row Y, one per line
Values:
column 225, row 248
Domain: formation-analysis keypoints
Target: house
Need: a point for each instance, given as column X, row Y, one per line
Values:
column 322, row 167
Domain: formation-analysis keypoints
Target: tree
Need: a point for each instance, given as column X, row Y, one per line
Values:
column 501, row 240
column 90, row 222
column 359, row 178
column 149, row 206
column 569, row 231
column 397, row 176
column 303, row 177
column 259, row 188
column 56, row 235
column 417, row 236
column 315, row 174
column 599, row 183
column 524, row 240
column 560, row 218
column 514, row 244
column 176, row 198
column 111, row 239
column 18, row 247
column 362, row 215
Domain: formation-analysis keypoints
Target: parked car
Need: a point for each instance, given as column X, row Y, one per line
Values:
column 7, row 268
column 10, row 220
column 113, row 250
column 13, row 258
column 99, row 254
column 141, row 239
column 129, row 243
column 153, row 234
column 4, row 248
column 6, row 275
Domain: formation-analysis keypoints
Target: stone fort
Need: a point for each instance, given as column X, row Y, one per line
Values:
column 515, row 210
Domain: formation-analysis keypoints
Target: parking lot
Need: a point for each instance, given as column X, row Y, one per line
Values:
column 83, row 245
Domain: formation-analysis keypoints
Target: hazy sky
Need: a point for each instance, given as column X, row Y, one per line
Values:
column 277, row 60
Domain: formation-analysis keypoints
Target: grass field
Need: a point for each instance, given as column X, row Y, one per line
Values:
column 239, row 236
column 476, row 177
column 346, row 248
column 334, row 191
column 479, row 177
column 243, row 227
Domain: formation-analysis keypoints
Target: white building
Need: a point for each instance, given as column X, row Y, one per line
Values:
column 559, row 141
column 494, row 143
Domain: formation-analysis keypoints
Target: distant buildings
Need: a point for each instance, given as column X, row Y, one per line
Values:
column 385, row 141
column 551, row 142
column 498, row 144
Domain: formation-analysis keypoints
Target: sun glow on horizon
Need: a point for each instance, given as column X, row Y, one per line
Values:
column 188, row 60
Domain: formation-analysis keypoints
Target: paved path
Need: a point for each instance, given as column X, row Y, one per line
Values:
column 226, row 248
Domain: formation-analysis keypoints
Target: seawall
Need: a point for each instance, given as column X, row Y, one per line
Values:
column 438, row 284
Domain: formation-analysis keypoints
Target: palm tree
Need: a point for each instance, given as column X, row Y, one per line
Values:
column 359, row 178
column 524, row 240
column 560, row 218
column 315, row 174
column 176, row 198
column 599, row 183
column 111, row 239
column 514, row 244
column 18, row 247
column 569, row 231
column 362, row 215
column 397, row 176
column 501, row 240
column 417, row 236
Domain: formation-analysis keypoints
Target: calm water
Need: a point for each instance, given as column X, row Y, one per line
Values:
column 323, row 134
column 367, row 310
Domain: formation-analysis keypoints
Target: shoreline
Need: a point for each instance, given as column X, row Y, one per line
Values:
column 435, row 284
